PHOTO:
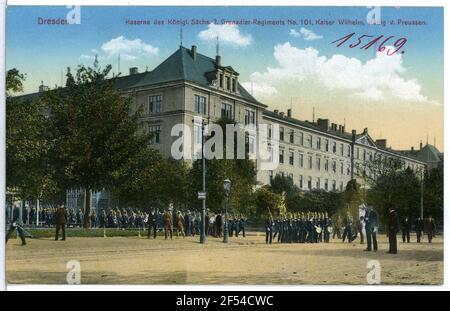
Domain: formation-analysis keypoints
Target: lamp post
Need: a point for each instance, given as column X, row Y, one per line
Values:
column 226, row 188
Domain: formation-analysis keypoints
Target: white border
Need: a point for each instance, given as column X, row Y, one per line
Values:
column 391, row 3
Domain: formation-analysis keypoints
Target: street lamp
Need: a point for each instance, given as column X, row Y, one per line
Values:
column 226, row 188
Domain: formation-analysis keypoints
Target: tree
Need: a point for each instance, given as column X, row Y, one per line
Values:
column 28, row 173
column 281, row 183
column 267, row 202
column 241, row 172
column 433, row 200
column 95, row 132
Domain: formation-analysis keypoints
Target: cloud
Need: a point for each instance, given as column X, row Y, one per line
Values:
column 229, row 34
column 128, row 49
column 379, row 78
column 307, row 34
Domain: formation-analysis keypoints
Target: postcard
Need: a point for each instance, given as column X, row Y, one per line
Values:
column 224, row 145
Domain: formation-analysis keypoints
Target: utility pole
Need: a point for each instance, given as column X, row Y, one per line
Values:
column 421, row 192
column 203, row 233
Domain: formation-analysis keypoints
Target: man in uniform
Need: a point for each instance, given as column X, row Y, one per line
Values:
column 61, row 219
column 168, row 223
column 371, row 222
column 430, row 227
column 419, row 228
column 269, row 229
column 406, row 228
column 16, row 223
column 152, row 221
column 392, row 230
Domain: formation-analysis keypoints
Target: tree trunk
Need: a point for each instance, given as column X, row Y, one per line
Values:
column 87, row 209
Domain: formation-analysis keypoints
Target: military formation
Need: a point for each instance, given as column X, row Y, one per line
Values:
column 309, row 227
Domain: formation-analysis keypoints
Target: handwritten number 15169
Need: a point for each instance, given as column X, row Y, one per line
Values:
column 398, row 44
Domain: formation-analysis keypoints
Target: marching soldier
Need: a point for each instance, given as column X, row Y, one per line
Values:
column 152, row 221
column 371, row 221
column 406, row 228
column 430, row 227
column 419, row 228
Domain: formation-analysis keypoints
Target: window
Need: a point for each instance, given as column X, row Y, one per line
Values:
column 269, row 130
column 334, row 166
column 348, row 170
column 251, row 145
column 309, row 141
column 300, row 184
column 200, row 104
column 228, row 83
column 309, row 183
column 318, row 183
column 233, row 85
column 334, row 147
column 334, row 185
column 221, row 80
column 310, row 162
column 281, row 133
column 270, row 176
column 197, row 134
column 326, row 145
column 349, row 151
column 326, row 165
column 342, row 168
column 318, row 143
column 291, row 157
column 249, row 117
column 364, row 155
column 318, row 163
column 281, row 156
column 325, row 185
column 301, row 138
column 342, row 149
column 357, row 153
column 154, row 130
column 300, row 159
column 227, row 111
column 291, row 137
column 270, row 154
column 155, row 104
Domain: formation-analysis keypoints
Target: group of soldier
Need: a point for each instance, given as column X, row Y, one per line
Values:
column 309, row 227
column 315, row 227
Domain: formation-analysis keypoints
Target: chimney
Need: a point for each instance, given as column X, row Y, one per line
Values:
column 340, row 128
column 366, row 130
column 381, row 143
column 276, row 111
column 343, row 128
column 412, row 148
column 421, row 145
column 282, row 114
column 353, row 135
column 289, row 113
column 323, row 124
column 194, row 52
column 133, row 71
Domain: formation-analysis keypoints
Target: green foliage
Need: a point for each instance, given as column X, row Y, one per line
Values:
column 400, row 188
column 434, row 193
column 28, row 173
column 316, row 201
column 281, row 183
column 267, row 202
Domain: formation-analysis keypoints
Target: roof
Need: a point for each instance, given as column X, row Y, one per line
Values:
column 180, row 66
column 428, row 154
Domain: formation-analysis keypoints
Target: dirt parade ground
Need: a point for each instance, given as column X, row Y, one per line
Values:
column 138, row 260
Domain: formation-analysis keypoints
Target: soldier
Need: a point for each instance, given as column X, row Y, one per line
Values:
column 94, row 219
column 360, row 227
column 241, row 225
column 348, row 224
column 419, row 228
column 277, row 229
column 16, row 223
column 180, row 225
column 430, row 228
column 269, row 229
column 406, row 228
column 326, row 228
column 187, row 223
column 61, row 219
column 168, row 223
column 392, row 230
column 152, row 221
column 371, row 221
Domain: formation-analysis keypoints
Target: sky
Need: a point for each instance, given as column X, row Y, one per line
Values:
column 285, row 56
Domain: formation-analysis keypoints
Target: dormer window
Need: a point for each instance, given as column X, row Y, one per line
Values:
column 221, row 80
column 233, row 85
column 228, row 83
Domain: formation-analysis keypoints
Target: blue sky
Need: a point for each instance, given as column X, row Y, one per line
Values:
column 43, row 51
